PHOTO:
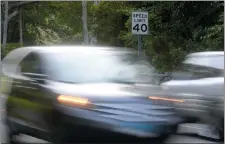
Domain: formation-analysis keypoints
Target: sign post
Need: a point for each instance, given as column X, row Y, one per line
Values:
column 140, row 27
column 139, row 44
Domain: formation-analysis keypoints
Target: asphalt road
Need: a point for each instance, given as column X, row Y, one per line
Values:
column 28, row 139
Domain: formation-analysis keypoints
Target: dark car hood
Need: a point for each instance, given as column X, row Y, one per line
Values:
column 103, row 89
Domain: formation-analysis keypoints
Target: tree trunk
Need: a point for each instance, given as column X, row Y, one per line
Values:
column 5, row 25
column 21, row 28
column 85, row 29
column 2, row 22
column 14, row 29
column 94, row 35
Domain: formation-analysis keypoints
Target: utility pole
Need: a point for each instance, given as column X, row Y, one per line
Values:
column 5, row 27
column 93, row 38
column 21, row 27
column 84, row 18
column 96, row 2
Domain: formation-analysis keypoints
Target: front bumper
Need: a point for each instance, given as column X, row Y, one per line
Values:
column 152, row 127
column 99, row 132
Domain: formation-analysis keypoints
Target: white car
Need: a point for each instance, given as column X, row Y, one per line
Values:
column 200, row 82
column 201, row 73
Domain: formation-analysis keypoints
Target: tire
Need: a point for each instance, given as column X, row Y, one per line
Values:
column 11, row 130
column 190, row 120
column 164, row 137
column 57, row 136
column 221, row 130
column 57, row 130
column 160, row 139
column 11, row 133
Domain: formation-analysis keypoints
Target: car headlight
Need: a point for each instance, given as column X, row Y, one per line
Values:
column 73, row 101
column 165, row 99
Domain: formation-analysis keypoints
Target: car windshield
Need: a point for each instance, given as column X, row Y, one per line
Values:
column 111, row 67
column 191, row 72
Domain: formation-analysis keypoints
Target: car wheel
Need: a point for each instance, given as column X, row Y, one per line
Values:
column 159, row 139
column 57, row 131
column 221, row 130
column 11, row 133
column 56, row 136
column 164, row 137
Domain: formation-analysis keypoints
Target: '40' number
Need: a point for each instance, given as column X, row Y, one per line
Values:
column 143, row 27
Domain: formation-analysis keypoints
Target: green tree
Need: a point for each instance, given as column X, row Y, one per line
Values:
column 176, row 28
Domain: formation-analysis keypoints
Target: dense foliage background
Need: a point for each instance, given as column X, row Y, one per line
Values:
column 176, row 28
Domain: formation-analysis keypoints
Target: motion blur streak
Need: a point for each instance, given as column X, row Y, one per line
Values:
column 166, row 99
column 53, row 92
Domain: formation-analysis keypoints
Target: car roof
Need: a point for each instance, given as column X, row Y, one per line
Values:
column 15, row 56
column 213, row 59
column 206, row 54
column 78, row 49
column 19, row 53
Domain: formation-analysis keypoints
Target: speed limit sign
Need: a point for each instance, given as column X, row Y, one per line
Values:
column 140, row 23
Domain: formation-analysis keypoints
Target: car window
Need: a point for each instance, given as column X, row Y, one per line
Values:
column 110, row 67
column 11, row 61
column 216, row 62
column 191, row 72
column 31, row 64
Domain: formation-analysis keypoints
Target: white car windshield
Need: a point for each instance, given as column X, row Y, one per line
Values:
column 113, row 67
column 191, row 72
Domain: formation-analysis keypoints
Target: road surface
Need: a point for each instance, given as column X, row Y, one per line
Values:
column 28, row 139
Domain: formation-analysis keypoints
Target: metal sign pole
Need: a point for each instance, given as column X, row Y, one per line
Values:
column 139, row 45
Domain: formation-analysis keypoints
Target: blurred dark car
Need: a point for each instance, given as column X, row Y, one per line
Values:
column 77, row 93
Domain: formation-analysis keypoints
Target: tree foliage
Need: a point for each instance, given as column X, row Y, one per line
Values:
column 176, row 27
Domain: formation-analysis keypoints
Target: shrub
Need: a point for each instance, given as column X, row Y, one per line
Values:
column 9, row 47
